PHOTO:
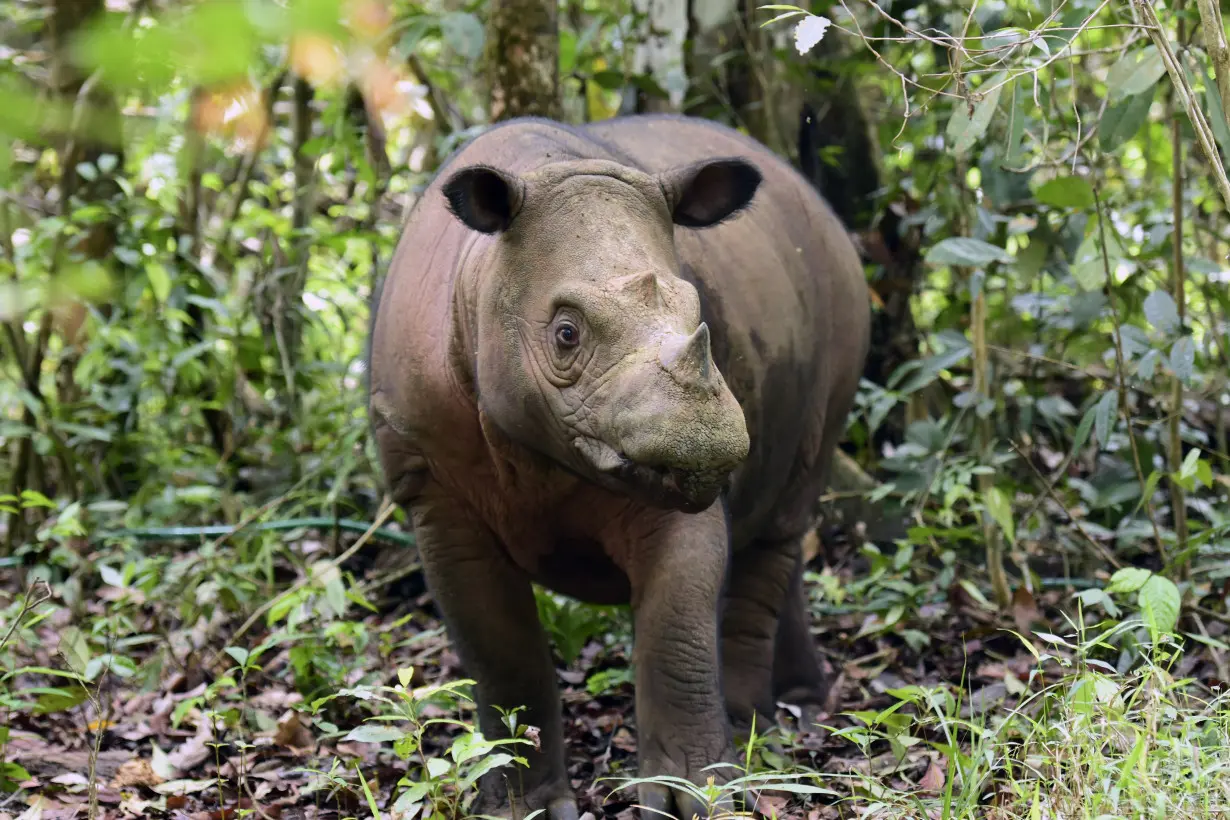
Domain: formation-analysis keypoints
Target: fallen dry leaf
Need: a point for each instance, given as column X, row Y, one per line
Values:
column 624, row 741
column 933, row 779
column 771, row 805
column 136, row 773
column 293, row 735
column 1024, row 610
column 194, row 751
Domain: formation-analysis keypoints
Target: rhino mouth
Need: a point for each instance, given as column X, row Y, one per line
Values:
column 691, row 491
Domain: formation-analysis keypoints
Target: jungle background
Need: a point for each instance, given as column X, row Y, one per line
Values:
column 1021, row 579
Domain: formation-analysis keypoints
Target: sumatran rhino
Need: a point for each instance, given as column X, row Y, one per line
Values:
column 615, row 360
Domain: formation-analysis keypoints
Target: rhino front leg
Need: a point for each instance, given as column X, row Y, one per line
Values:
column 677, row 568
column 492, row 621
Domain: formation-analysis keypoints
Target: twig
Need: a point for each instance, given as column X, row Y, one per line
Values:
column 1049, row 489
column 439, row 111
column 1204, row 134
column 1178, row 288
column 1121, row 372
column 1219, row 51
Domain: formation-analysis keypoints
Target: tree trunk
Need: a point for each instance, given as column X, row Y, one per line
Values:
column 522, row 56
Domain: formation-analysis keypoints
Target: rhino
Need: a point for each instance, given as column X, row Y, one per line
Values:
column 615, row 360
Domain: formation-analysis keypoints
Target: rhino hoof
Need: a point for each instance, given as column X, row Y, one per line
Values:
column 555, row 800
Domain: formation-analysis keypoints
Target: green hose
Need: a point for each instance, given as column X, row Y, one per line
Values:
column 218, row 530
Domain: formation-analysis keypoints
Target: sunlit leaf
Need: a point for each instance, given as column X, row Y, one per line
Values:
column 1162, row 312
column 965, row 251
column 1066, row 192
column 1135, row 72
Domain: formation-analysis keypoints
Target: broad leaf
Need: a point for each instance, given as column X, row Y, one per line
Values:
column 1000, row 508
column 963, row 129
column 1159, row 602
column 1128, row 580
column 1123, row 120
column 1183, row 358
column 1162, row 312
column 374, row 733
column 1136, row 72
column 964, row 251
column 1066, row 192
column 1107, row 407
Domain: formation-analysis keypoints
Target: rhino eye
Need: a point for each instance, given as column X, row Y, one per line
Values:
column 567, row 335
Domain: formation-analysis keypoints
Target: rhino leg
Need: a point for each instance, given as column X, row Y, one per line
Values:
column 798, row 678
column 676, row 567
column 760, row 577
column 492, row 621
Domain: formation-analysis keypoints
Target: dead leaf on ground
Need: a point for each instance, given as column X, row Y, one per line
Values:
column 1024, row 610
column 194, row 751
column 136, row 773
column 624, row 741
column 293, row 735
column 933, row 780
column 771, row 805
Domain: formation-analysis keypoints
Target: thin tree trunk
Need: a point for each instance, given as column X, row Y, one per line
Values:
column 522, row 56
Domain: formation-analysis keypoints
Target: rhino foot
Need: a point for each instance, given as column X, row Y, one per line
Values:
column 554, row 798
column 666, row 799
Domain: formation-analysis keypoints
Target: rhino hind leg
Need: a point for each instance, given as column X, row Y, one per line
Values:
column 759, row 580
column 492, row 621
column 798, row 677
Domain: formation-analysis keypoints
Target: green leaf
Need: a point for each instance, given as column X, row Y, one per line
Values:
column 1150, row 485
column 965, row 251
column 239, row 654
column 1183, row 358
column 1088, row 268
column 1159, row 601
column 1123, row 120
column 963, row 129
column 1107, row 407
column 464, row 34
column 1083, row 429
column 159, row 281
column 437, row 767
column 1204, row 473
column 1162, row 312
column 1016, row 125
column 1136, row 72
column 1147, row 365
column 1000, row 509
column 1066, row 192
column 1217, row 117
column 374, row 733
column 111, row 576
column 1128, row 580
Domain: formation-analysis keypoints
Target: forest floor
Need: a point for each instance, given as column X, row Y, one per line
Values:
column 940, row 708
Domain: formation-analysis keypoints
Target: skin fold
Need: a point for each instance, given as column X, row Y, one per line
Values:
column 615, row 360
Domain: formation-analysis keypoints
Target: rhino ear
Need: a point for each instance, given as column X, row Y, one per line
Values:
column 708, row 192
column 484, row 198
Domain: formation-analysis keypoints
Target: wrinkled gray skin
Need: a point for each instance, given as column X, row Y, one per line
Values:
column 615, row 360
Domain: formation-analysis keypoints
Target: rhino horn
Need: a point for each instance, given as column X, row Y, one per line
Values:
column 643, row 287
column 687, row 358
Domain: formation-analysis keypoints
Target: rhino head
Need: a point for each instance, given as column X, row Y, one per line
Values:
column 589, row 347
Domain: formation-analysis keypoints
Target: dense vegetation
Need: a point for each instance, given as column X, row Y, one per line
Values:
column 207, row 608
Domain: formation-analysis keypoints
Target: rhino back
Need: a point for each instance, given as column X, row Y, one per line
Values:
column 783, row 290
